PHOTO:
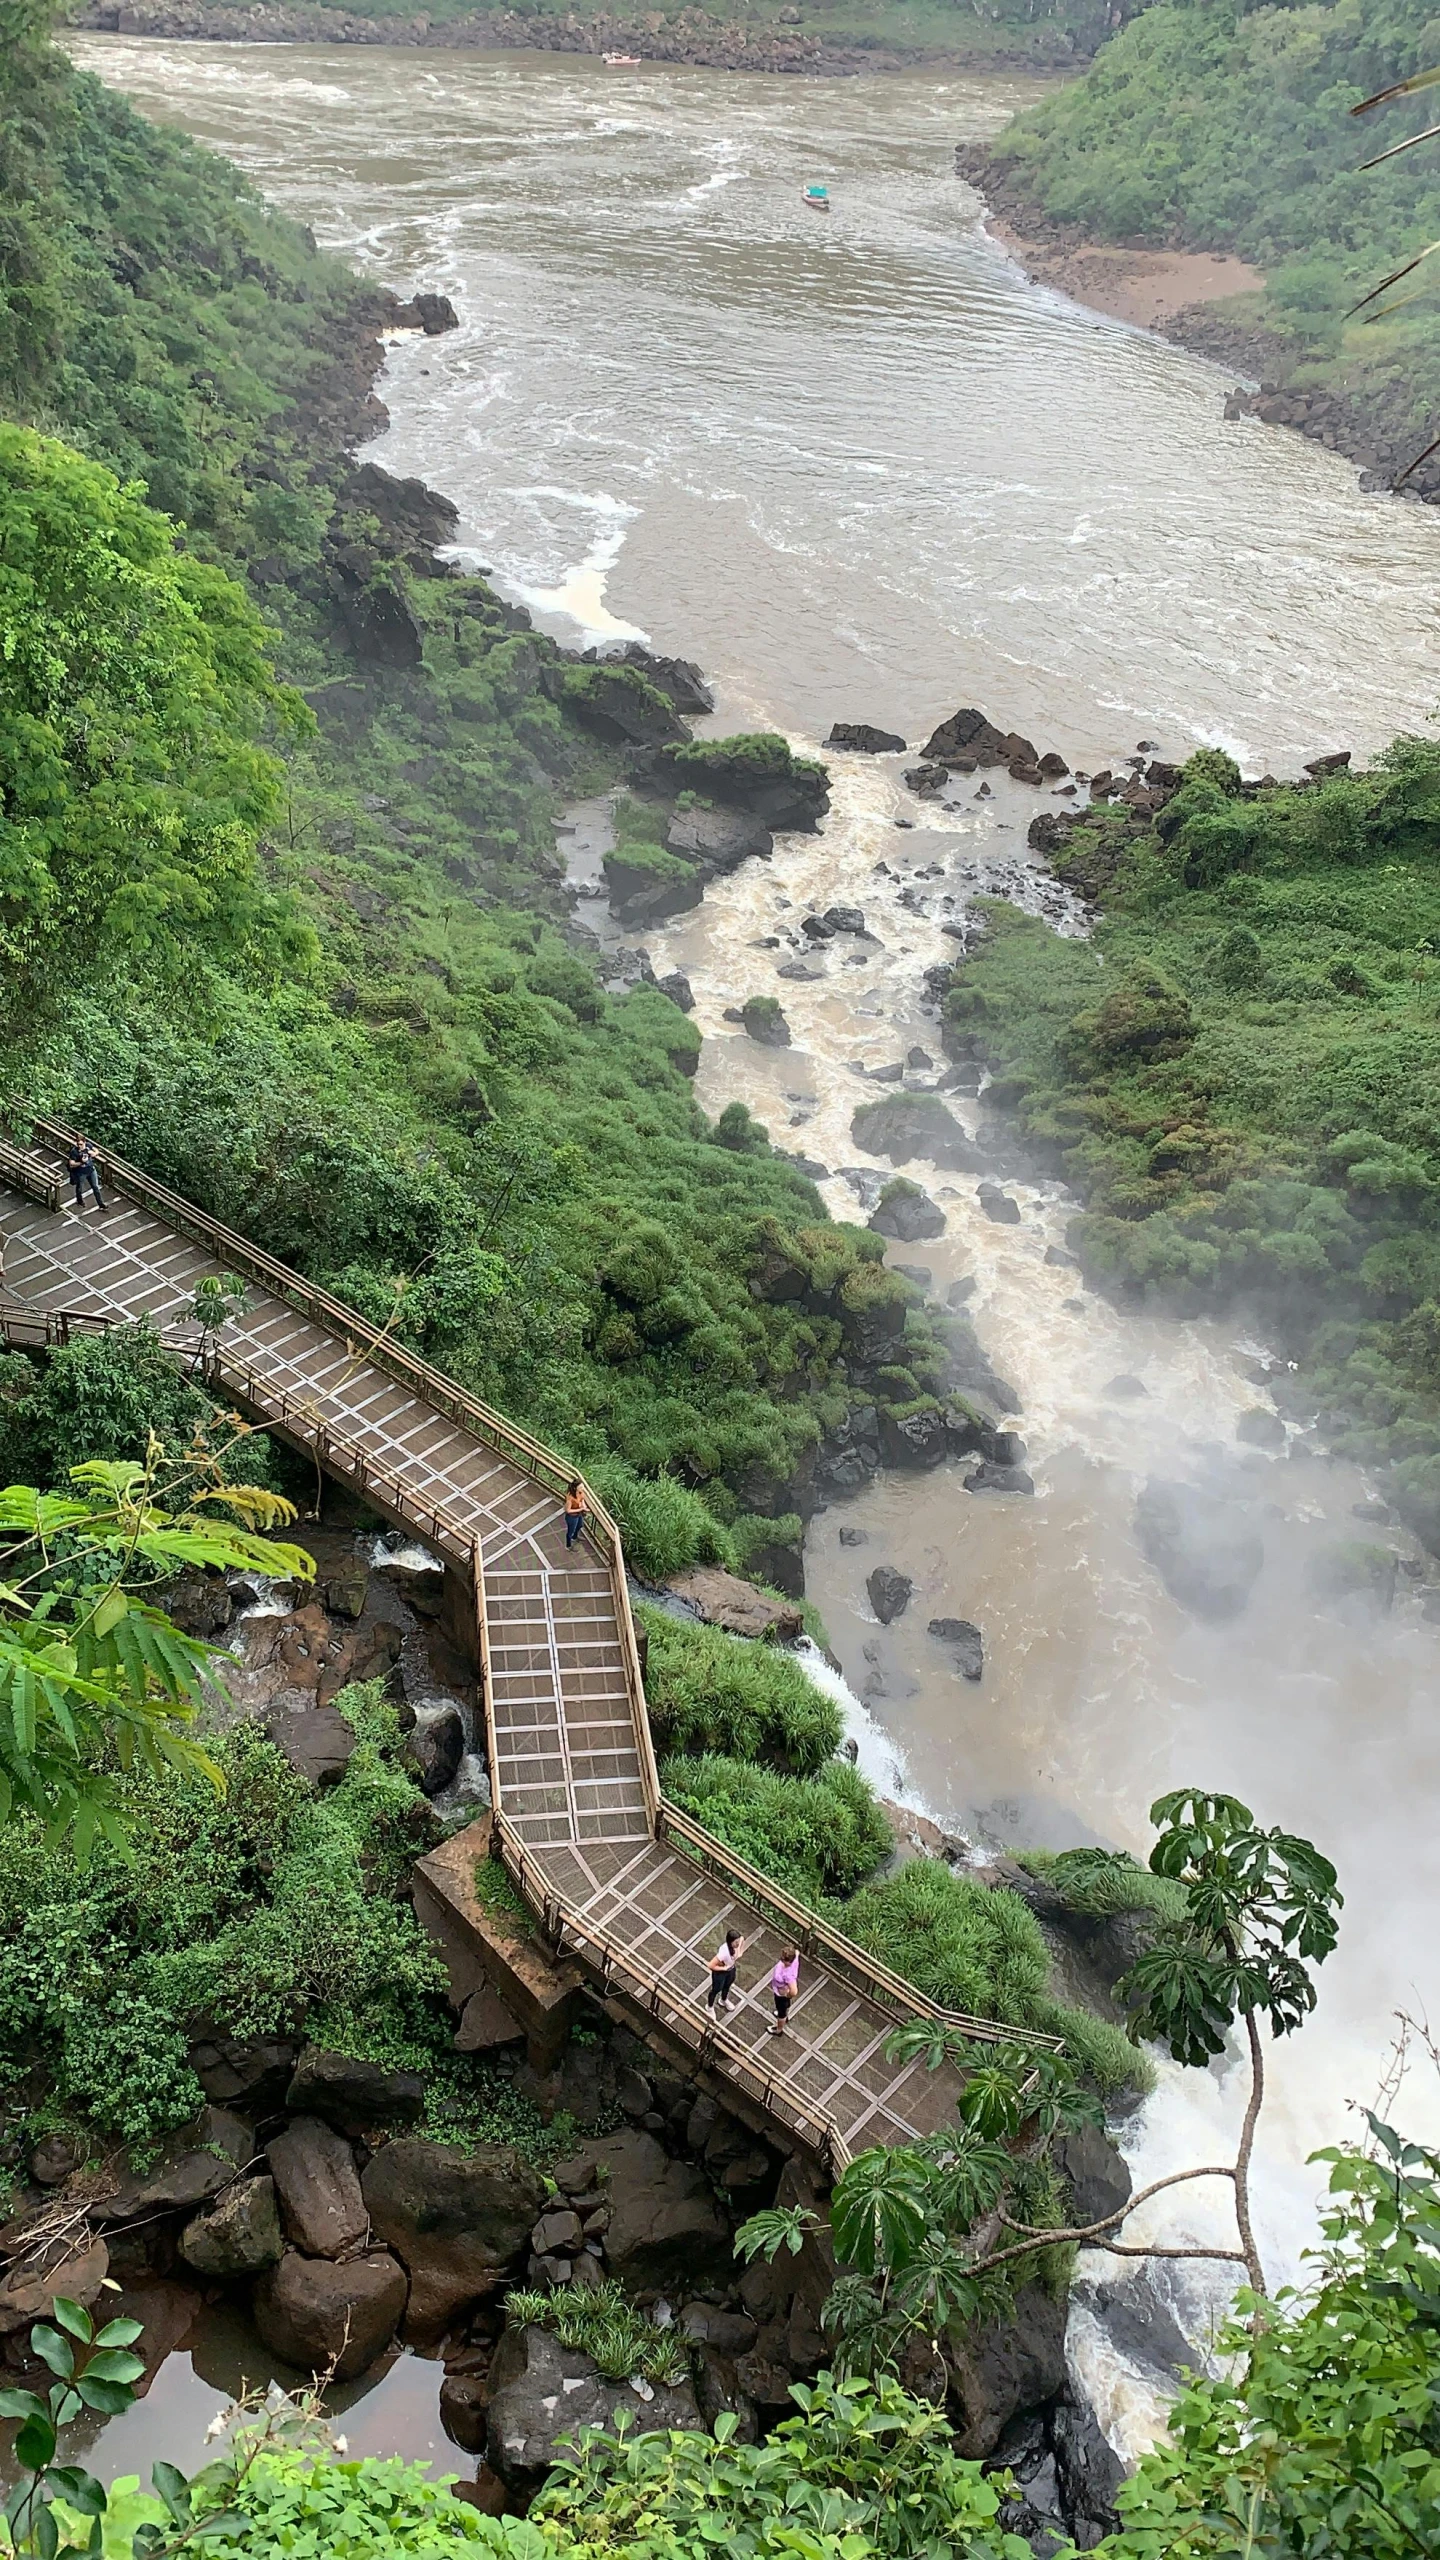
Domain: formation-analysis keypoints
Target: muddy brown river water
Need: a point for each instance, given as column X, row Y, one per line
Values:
column 863, row 469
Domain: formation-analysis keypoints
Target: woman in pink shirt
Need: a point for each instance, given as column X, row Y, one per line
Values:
column 784, row 1983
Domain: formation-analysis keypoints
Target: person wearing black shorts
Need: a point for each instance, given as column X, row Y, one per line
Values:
column 722, row 1971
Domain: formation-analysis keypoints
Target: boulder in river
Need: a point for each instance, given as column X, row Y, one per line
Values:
column 717, row 840
column 907, row 1213
column 1260, row 1429
column 316, row 2314
column 1124, row 1388
column 1205, row 1548
column 857, row 738
column 761, row 773
column 319, row 2189
column 965, row 1642
column 905, row 1125
column 989, row 1477
column 968, row 739
column 889, row 1591
column 678, row 678
column 844, row 919
column 764, row 1022
column 998, row 1205
column 239, row 2236
column 677, row 987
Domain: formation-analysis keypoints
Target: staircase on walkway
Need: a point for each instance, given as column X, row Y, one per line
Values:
column 624, row 1883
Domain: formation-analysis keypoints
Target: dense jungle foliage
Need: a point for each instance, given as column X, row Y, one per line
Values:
column 1045, row 32
column 284, row 924
column 1225, row 125
column 1241, row 1074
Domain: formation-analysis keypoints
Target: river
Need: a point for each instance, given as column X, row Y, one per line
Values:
column 863, row 469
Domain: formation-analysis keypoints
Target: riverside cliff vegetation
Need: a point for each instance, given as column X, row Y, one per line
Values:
column 287, row 927
column 1216, row 124
column 1241, row 1074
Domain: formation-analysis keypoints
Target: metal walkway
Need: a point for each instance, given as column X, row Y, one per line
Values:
column 617, row 1878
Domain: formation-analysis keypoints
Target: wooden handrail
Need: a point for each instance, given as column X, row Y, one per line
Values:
column 607, row 1957
column 887, row 1989
column 356, row 1465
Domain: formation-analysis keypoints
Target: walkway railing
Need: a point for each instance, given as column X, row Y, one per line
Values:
column 298, row 1417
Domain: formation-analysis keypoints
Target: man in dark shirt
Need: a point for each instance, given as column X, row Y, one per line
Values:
column 82, row 1168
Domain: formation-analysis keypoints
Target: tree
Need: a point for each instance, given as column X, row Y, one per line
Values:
column 135, row 689
column 94, row 1677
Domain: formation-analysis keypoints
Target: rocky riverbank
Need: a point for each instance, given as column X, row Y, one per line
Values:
column 1181, row 292
column 695, row 40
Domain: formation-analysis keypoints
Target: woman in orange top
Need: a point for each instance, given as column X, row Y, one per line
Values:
column 577, row 1504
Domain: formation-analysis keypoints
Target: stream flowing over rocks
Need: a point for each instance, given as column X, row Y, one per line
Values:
column 877, row 484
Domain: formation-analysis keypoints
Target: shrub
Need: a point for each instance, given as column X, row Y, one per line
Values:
column 603, row 2324
column 958, row 1942
column 815, row 1836
column 709, row 1691
column 1101, row 1882
column 663, row 1525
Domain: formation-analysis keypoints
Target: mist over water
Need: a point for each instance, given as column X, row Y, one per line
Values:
column 862, row 469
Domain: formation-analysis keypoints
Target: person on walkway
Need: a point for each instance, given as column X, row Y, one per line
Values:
column 577, row 1506
column 784, row 1983
column 722, row 1971
column 82, row 1168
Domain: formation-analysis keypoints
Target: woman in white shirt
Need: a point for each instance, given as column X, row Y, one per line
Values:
column 722, row 1971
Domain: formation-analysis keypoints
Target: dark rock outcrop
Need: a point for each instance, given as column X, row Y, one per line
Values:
column 1012, row 2365
column 908, row 1214
column 965, row 1642
column 351, row 2095
column 319, row 2188
column 857, row 738
column 989, row 1477
column 998, row 1205
column 458, row 2221
column 541, row 2394
column 239, row 2236
column 1098, row 2179
column 905, row 1125
column 765, row 1023
column 678, row 678
column 889, row 1592
column 665, row 2228
column 315, row 2313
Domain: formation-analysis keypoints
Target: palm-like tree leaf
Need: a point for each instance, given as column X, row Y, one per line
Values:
column 1397, row 147
column 1396, row 276
column 1399, row 89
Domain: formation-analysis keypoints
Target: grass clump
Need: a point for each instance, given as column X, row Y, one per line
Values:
column 1100, row 1882
column 816, row 1836
column 600, row 2322
column 712, row 1692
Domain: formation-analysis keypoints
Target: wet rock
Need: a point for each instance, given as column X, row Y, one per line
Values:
column 557, row 2234
column 919, row 1274
column 968, row 739
column 733, row 2333
column 786, row 793
column 666, row 2229
column 1260, row 1429
column 905, row 1125
column 316, row 1741
column 542, row 2393
column 1319, row 766
column 316, row 2314
column 52, row 2160
column 345, row 1593
column 966, row 1644
column 854, row 1538
column 436, row 1747
column 677, row 987
column 891, row 1074
column 997, row 1204
column 845, row 919
column 918, row 1061
column 907, row 1213
column 1098, row 2178
column 434, row 313
column 464, row 2409
column 764, row 1022
column 1122, row 1389
column 319, row 2188
column 27, row 2293
column 889, row 1592
column 1089, row 2472
column 1205, row 1548
column 1063, row 1261
column 799, row 972
column 620, row 704
column 913, row 1439
column 723, row 1600
column 458, row 2221
column 486, row 2022
column 201, row 1603
column 1143, row 2328
column 239, row 2236
column 989, row 1477
column 679, row 678
column 1008, row 2366
column 857, row 738
column 252, row 2073
column 927, row 781
column 353, row 2095
column 718, row 840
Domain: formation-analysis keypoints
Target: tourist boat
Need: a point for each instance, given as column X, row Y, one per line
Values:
column 622, row 61
column 818, row 199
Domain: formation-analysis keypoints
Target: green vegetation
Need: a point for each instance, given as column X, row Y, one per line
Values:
column 1044, row 33
column 271, row 1907
column 1101, row 1882
column 602, row 2322
column 982, row 1952
column 1222, row 125
column 1270, row 1136
column 709, row 1691
column 816, row 1836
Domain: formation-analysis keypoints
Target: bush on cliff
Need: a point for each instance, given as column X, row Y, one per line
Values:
column 816, row 1836
column 712, row 1692
column 1286, row 1156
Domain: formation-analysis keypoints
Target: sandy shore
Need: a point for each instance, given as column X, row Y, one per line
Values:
column 1146, row 286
